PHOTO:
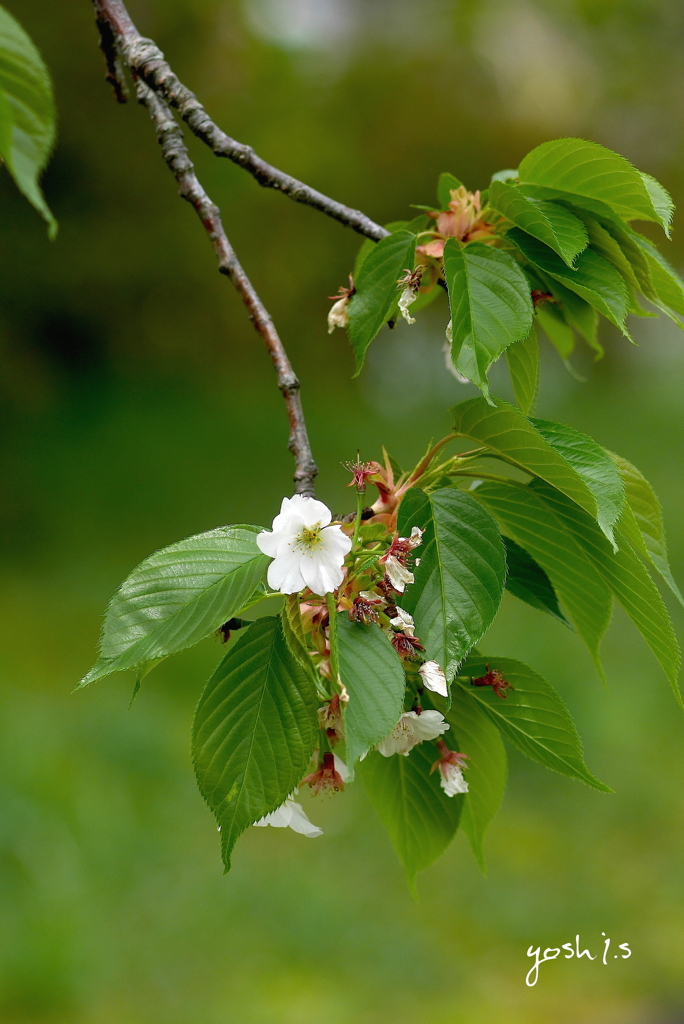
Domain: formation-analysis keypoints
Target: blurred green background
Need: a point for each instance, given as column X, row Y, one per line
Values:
column 138, row 407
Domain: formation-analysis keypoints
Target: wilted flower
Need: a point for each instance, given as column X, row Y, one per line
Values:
column 330, row 719
column 403, row 621
column 433, row 677
column 394, row 559
column 329, row 777
column 339, row 313
column 397, row 573
column 405, row 299
column 412, row 728
column 306, row 551
column 405, row 646
column 365, row 608
column 493, row 678
column 360, row 472
column 291, row 815
column 451, row 765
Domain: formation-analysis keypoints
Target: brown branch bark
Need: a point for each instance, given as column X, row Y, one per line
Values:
column 144, row 57
column 175, row 154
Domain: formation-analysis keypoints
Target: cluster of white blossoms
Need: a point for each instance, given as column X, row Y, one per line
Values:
column 306, row 550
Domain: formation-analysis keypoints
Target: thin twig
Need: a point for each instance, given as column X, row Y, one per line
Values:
column 144, row 57
column 115, row 75
column 175, row 154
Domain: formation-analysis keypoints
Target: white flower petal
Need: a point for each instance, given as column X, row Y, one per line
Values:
column 398, row 574
column 429, row 725
column 404, row 622
column 407, row 297
column 291, row 815
column 268, row 542
column 322, row 577
column 451, row 779
column 341, row 768
column 411, row 729
column 284, row 573
column 433, row 677
column 300, row 823
column 338, row 315
column 313, row 512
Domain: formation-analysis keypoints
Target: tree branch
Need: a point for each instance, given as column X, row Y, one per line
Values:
column 170, row 138
column 144, row 57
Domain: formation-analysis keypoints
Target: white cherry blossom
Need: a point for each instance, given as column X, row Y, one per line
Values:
column 433, row 677
column 451, row 779
column 411, row 729
column 306, row 550
column 291, row 815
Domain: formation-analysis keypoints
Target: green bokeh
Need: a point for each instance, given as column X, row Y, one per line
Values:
column 138, row 407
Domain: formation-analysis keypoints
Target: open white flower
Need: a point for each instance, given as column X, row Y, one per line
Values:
column 451, row 779
column 404, row 622
column 411, row 729
column 291, row 815
column 306, row 550
column 433, row 677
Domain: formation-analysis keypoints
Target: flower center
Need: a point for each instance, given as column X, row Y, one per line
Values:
column 309, row 538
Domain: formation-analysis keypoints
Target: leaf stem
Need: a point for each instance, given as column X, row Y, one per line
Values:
column 332, row 637
column 360, row 495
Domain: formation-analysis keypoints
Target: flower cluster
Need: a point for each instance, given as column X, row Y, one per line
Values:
column 309, row 557
column 462, row 220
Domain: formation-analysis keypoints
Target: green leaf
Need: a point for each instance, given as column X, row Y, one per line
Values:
column 626, row 576
column 25, row 142
column 523, row 515
column 532, row 715
column 512, row 437
column 177, row 596
column 603, row 242
column 506, row 175
column 373, row 674
column 643, row 501
column 369, row 244
column 377, row 290
column 445, row 183
column 594, row 279
column 459, row 582
column 490, row 305
column 550, row 223
column 573, row 310
column 667, row 284
column 420, row 818
column 594, row 465
column 254, row 732
column 473, row 733
column 293, row 631
column 559, row 333
column 523, row 366
column 634, row 255
column 661, row 199
column 527, row 580
column 576, row 167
